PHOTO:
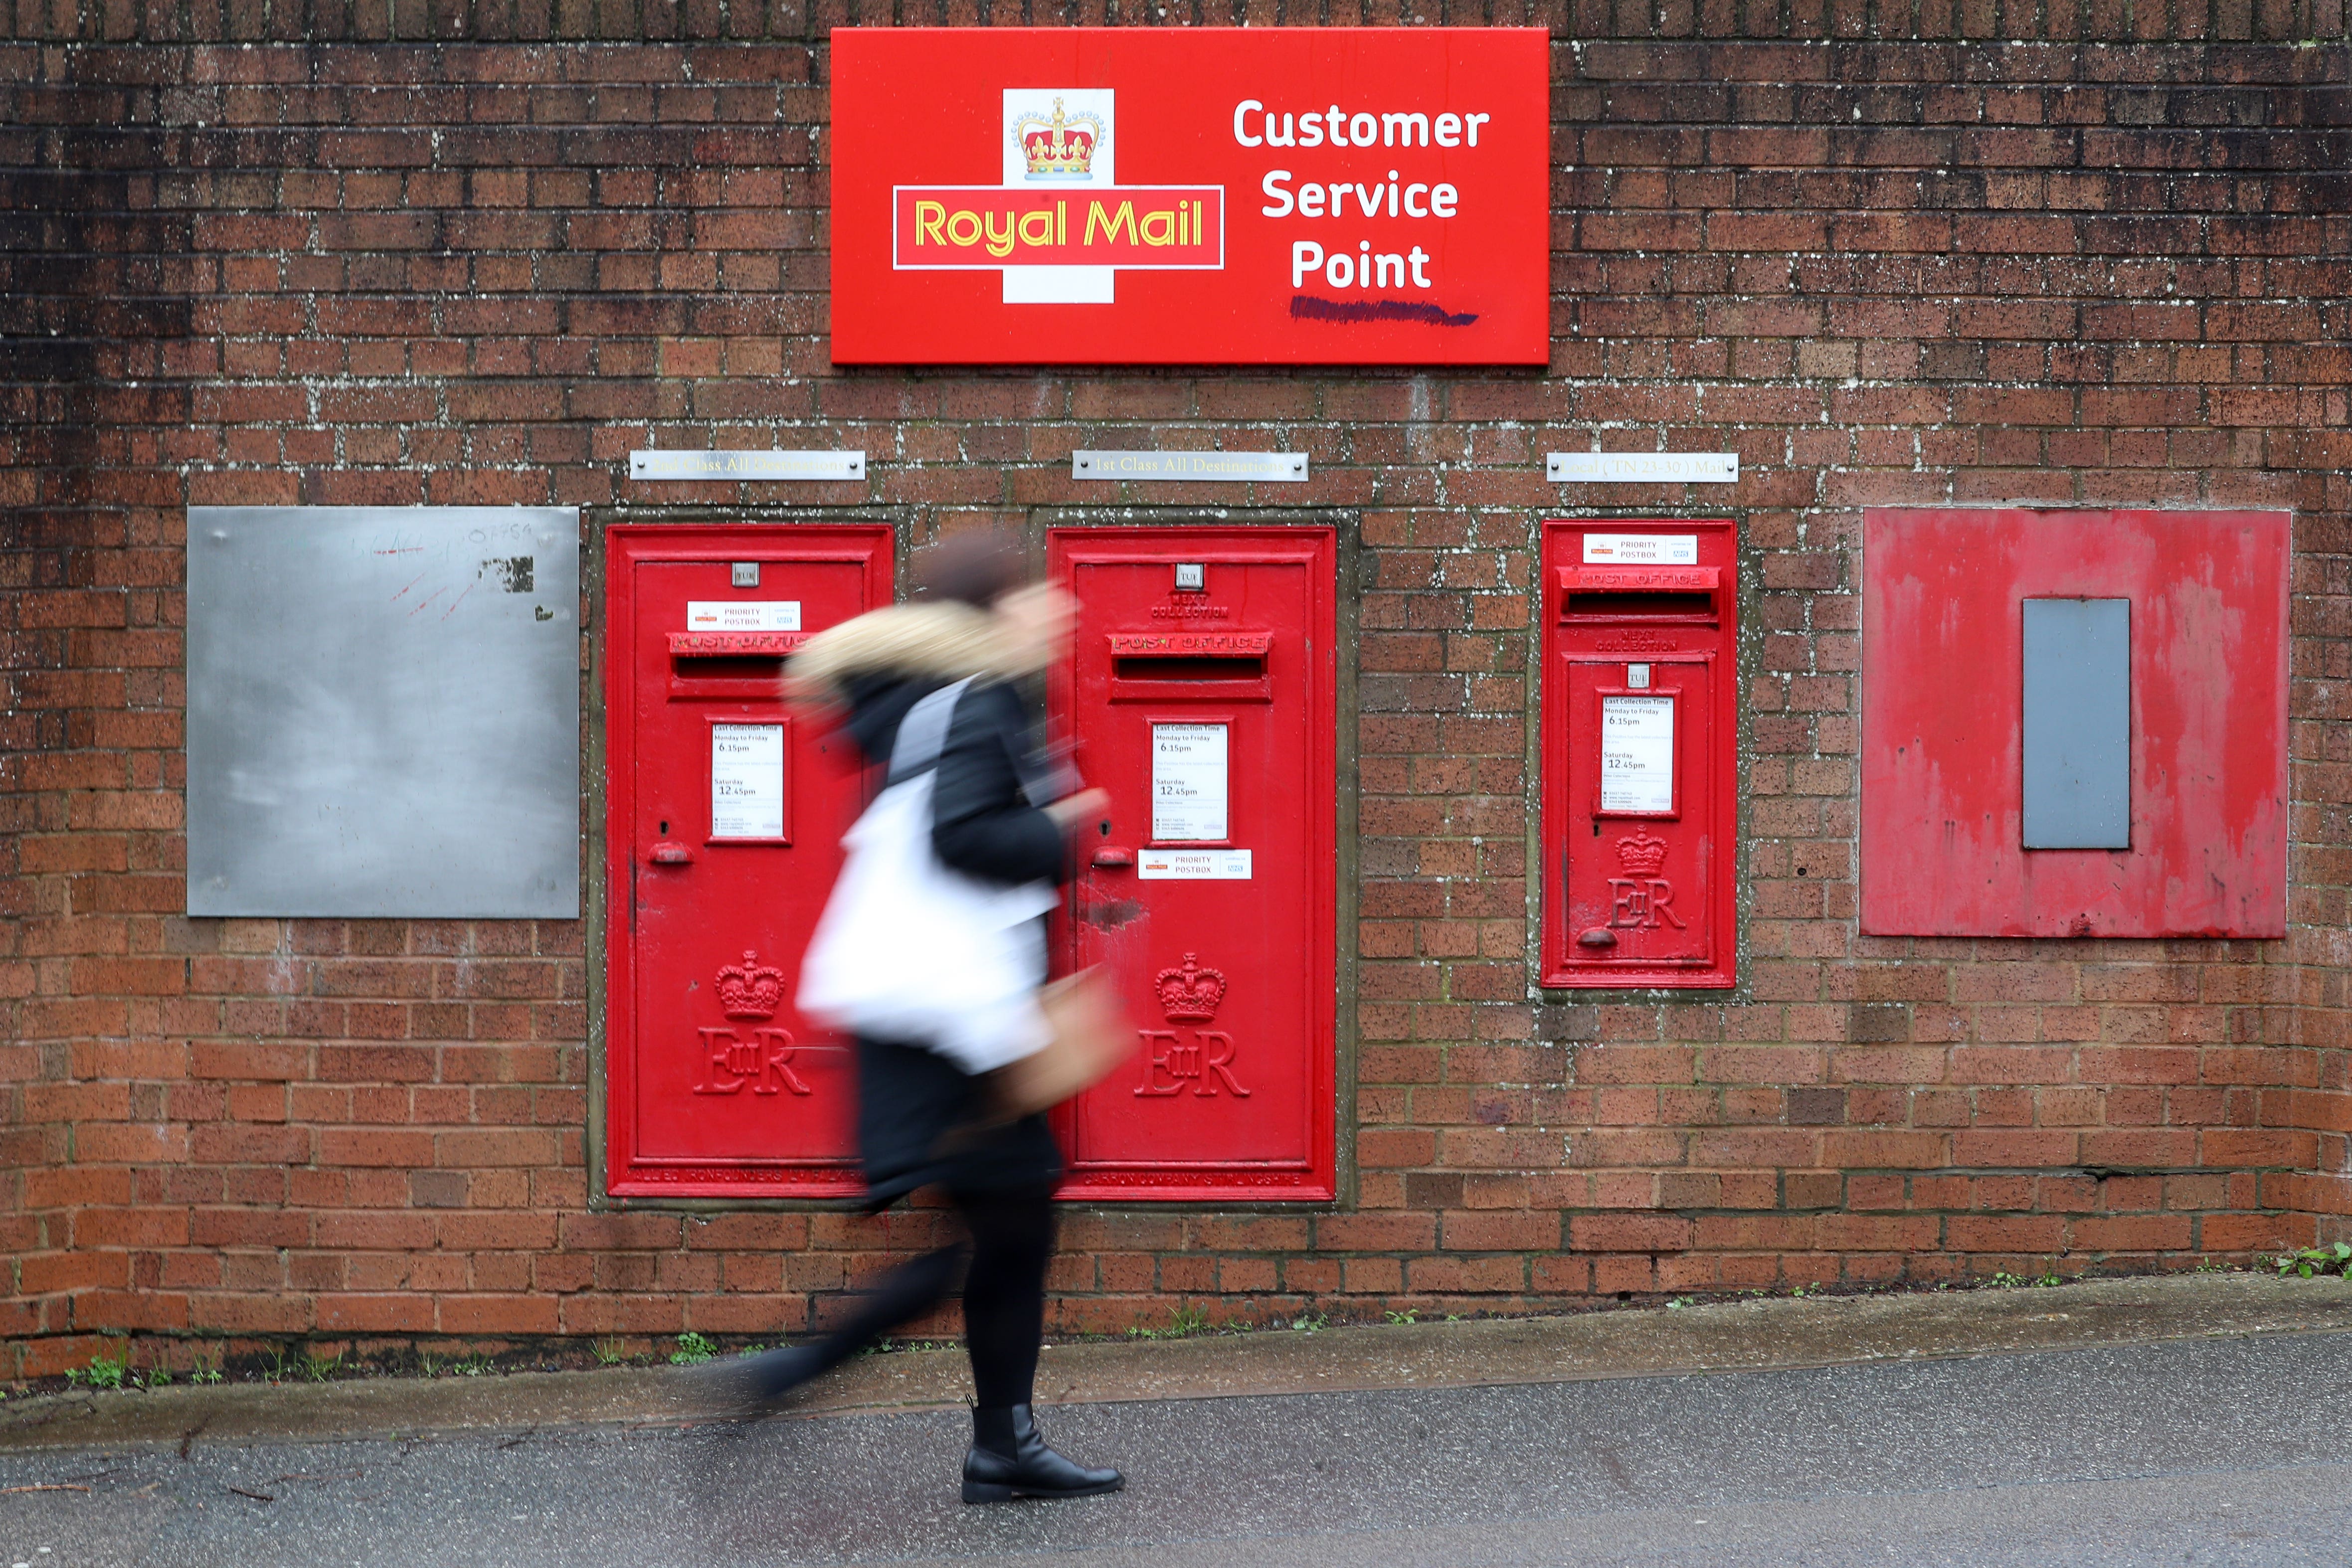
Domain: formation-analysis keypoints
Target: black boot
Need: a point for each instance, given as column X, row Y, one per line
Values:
column 1009, row 1459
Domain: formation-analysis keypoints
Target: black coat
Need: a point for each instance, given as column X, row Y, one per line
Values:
column 915, row 1109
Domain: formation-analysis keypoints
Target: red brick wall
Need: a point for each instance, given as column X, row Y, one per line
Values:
column 1884, row 262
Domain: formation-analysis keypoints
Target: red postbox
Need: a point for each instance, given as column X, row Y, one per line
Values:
column 1202, row 695
column 1640, row 627
column 723, row 820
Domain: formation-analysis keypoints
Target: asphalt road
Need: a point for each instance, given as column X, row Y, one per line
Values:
column 2230, row 1450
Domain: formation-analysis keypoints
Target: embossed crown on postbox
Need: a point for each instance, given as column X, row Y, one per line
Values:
column 1192, row 993
column 1642, row 853
column 751, row 989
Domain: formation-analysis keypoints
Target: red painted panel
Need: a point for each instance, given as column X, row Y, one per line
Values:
column 1638, row 891
column 714, row 1087
column 1231, row 979
column 1425, row 240
column 1942, row 716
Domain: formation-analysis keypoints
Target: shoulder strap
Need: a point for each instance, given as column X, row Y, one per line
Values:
column 1045, row 773
column 923, row 733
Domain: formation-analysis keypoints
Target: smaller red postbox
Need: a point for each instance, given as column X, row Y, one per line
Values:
column 1641, row 628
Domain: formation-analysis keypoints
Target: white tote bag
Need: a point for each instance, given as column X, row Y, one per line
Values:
column 909, row 948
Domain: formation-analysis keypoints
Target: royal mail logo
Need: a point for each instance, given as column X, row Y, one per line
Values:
column 1060, row 227
column 976, row 228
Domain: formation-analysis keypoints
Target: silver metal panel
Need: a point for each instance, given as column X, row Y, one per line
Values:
column 758, row 464
column 2077, row 723
column 1641, row 467
column 1232, row 467
column 384, row 711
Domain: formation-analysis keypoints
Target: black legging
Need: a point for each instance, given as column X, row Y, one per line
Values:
column 1012, row 1239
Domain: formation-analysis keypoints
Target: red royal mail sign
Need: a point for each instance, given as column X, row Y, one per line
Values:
column 1204, row 195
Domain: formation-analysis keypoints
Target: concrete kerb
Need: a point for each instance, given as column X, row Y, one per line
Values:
column 1752, row 1335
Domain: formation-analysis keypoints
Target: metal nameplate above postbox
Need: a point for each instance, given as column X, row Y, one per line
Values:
column 1641, row 467
column 754, row 465
column 1221, row 467
column 1640, row 757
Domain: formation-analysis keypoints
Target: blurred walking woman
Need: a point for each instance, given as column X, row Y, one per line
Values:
column 1001, row 815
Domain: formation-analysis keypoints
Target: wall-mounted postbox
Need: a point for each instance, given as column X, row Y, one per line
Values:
column 723, row 819
column 1641, row 630
column 1201, row 694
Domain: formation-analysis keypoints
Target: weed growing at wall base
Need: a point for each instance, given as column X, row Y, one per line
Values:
column 1183, row 1323
column 2311, row 1260
column 103, row 1370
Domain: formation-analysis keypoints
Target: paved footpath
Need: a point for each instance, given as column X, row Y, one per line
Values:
column 2184, row 1421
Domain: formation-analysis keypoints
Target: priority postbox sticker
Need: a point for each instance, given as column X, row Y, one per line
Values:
column 743, row 615
column 1193, row 865
column 1641, row 550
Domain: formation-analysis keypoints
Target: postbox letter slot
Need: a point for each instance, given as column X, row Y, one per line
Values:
column 1640, row 593
column 1616, row 604
column 727, row 667
column 1190, row 667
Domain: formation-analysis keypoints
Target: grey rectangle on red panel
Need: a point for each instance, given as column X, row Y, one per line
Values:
column 2077, row 730
column 384, row 711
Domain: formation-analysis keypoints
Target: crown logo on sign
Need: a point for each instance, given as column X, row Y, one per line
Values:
column 751, row 989
column 1642, row 853
column 1060, row 148
column 1191, row 993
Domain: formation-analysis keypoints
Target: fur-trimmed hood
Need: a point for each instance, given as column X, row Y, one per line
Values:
column 937, row 642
